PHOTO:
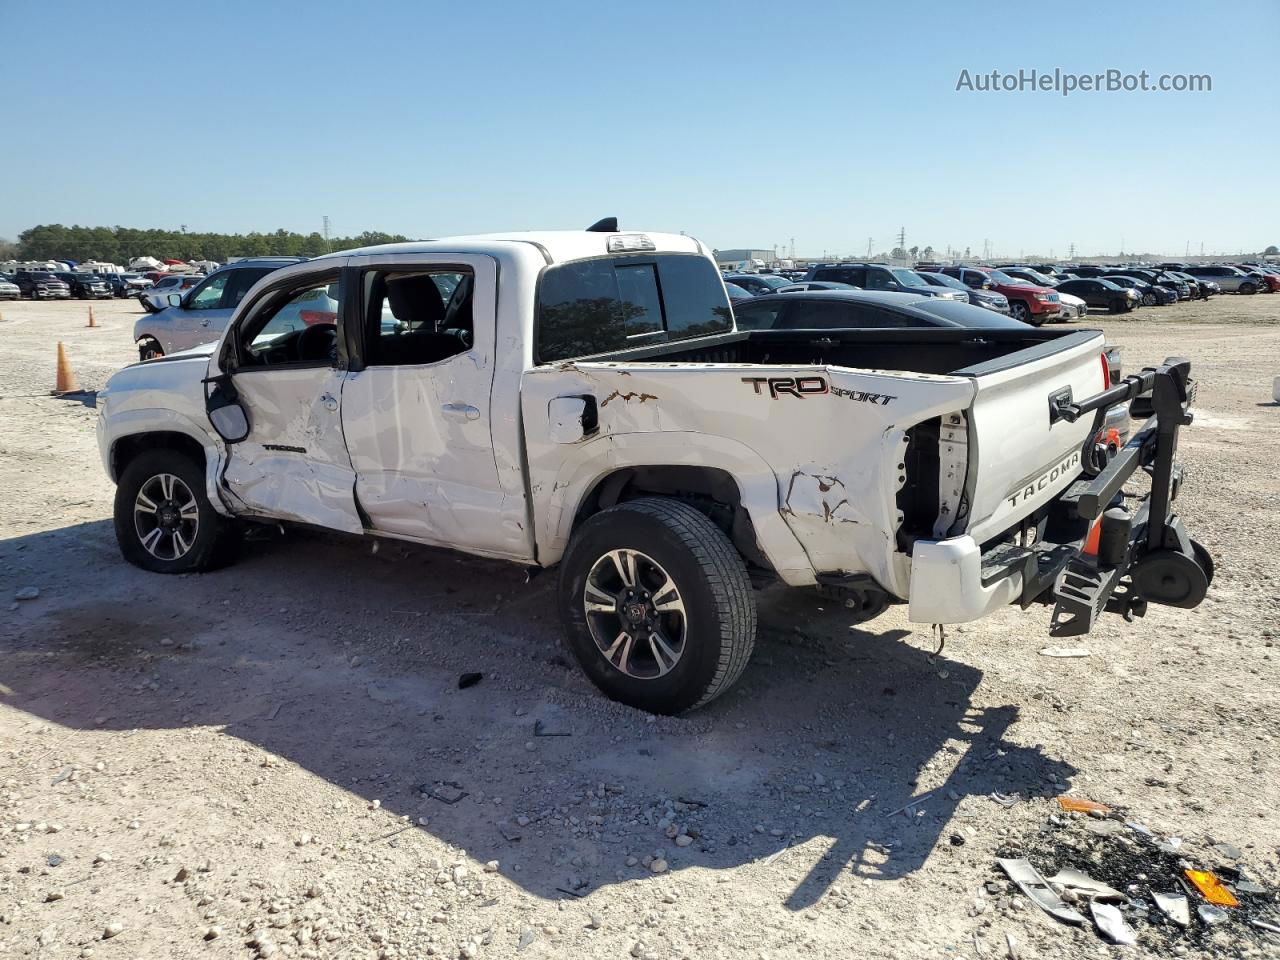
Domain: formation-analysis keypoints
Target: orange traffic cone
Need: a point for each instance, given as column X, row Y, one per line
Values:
column 66, row 381
column 92, row 322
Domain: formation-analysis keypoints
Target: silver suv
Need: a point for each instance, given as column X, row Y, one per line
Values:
column 198, row 315
column 1229, row 279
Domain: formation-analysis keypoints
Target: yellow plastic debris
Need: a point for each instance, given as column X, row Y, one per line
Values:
column 1211, row 888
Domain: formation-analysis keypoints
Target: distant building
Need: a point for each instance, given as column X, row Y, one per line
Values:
column 743, row 259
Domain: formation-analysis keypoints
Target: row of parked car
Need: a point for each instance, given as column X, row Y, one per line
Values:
column 65, row 285
column 1033, row 294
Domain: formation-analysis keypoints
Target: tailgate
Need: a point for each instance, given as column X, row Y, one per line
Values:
column 1019, row 458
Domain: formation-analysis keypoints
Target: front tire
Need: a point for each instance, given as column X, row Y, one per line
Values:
column 1148, row 299
column 1248, row 288
column 163, row 519
column 149, row 349
column 657, row 605
column 1019, row 311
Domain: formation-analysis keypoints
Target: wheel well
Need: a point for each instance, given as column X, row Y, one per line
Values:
column 127, row 449
column 711, row 491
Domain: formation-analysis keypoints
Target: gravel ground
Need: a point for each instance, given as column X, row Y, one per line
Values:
column 276, row 760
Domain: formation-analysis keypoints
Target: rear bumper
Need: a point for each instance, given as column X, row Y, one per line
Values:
column 947, row 583
column 1095, row 555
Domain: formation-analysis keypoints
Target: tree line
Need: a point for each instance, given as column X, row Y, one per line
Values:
column 54, row 241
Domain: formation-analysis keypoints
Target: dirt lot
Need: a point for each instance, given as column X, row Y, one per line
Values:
column 267, row 760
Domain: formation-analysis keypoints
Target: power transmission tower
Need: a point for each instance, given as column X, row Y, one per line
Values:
column 1071, row 252
column 326, row 234
column 868, row 248
column 793, row 248
column 902, row 238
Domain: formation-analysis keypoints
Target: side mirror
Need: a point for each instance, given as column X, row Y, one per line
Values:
column 892, row 285
column 175, row 299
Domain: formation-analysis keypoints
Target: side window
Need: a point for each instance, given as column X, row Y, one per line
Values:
column 817, row 314
column 878, row 279
column 208, row 296
column 239, row 283
column 417, row 316
column 754, row 315
column 596, row 306
column 295, row 325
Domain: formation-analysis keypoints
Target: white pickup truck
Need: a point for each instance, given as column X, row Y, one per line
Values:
column 583, row 400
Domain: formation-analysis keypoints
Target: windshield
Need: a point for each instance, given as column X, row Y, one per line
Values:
column 909, row 278
column 1040, row 278
column 942, row 280
column 999, row 276
column 772, row 280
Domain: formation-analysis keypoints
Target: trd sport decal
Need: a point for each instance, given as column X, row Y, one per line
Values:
column 789, row 386
column 801, row 387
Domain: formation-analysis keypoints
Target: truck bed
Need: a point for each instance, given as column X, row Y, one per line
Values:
column 863, row 442
column 939, row 351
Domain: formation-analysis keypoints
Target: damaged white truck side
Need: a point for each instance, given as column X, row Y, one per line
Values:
column 583, row 400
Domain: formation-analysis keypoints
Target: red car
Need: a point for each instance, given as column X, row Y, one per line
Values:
column 1027, row 302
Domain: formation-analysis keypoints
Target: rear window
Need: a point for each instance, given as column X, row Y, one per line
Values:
column 966, row 315
column 843, row 314
column 612, row 303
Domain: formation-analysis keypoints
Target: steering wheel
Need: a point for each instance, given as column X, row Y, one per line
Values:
column 318, row 341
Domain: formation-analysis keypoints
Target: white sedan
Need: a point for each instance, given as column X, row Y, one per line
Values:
column 1072, row 308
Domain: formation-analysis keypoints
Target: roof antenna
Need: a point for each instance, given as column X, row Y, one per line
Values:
column 607, row 225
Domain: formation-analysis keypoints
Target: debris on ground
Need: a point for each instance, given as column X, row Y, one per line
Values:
column 1038, row 890
column 1110, row 923
column 1129, row 877
column 469, row 680
column 540, row 729
column 1077, row 805
column 1066, row 653
column 1211, row 888
column 446, row 791
column 1174, row 906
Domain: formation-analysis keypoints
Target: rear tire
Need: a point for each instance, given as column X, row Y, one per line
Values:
column 199, row 537
column 716, row 624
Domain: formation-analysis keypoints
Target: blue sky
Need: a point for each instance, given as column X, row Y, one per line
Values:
column 744, row 124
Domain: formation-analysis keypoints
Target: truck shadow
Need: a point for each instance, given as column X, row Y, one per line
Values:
column 348, row 664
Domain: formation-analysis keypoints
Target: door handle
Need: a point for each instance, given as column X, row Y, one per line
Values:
column 460, row 411
column 204, row 323
column 329, row 401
